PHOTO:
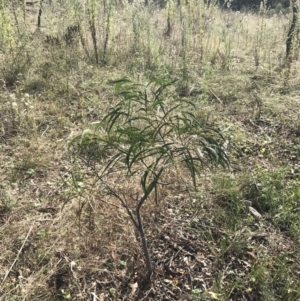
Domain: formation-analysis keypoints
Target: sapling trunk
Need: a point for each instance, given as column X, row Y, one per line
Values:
column 138, row 224
column 107, row 34
column 143, row 237
column 40, row 14
column 292, row 31
column 92, row 25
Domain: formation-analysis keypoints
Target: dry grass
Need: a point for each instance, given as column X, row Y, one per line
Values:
column 205, row 245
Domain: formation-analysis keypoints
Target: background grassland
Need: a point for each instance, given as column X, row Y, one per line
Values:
column 236, row 238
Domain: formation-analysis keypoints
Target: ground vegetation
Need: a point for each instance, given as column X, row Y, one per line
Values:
column 228, row 232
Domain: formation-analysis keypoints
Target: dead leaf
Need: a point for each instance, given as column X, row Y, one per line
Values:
column 214, row 296
column 113, row 255
column 253, row 257
column 134, row 287
column 171, row 274
column 254, row 212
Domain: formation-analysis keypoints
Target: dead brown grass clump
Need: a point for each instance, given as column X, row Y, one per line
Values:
column 235, row 238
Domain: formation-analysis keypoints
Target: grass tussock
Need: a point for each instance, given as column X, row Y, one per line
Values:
column 63, row 237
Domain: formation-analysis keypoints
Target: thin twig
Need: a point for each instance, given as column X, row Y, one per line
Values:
column 216, row 96
column 25, row 240
column 124, row 204
column 108, row 203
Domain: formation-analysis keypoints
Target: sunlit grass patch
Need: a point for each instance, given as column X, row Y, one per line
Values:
column 235, row 237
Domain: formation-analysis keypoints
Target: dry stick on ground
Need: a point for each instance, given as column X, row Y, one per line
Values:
column 25, row 240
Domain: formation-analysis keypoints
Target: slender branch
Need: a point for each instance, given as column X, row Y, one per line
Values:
column 115, row 194
column 110, row 204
